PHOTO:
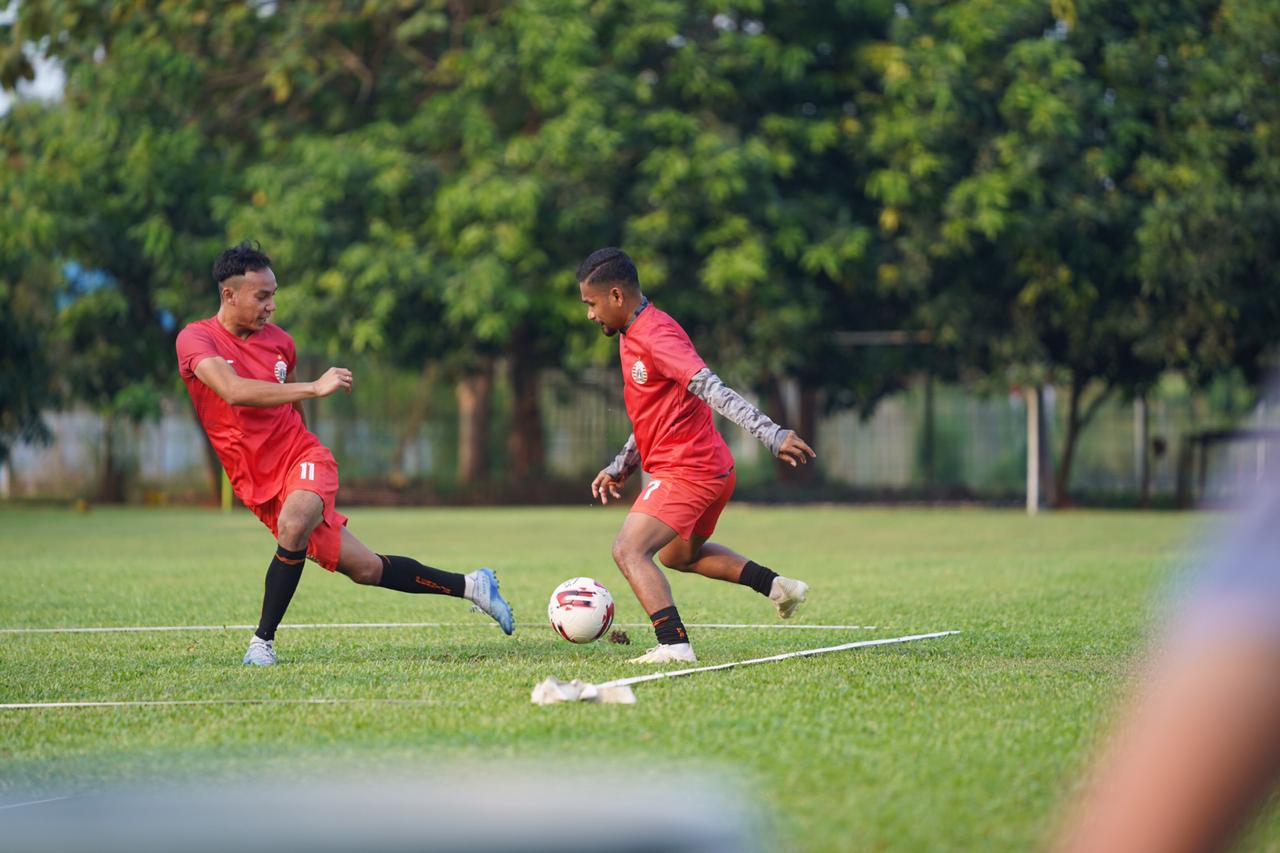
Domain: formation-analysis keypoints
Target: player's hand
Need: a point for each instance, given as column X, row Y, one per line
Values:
column 605, row 485
column 333, row 379
column 794, row 451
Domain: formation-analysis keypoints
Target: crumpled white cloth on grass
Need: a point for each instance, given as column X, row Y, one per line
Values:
column 553, row 690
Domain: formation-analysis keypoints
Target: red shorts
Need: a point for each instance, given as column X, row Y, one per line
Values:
column 689, row 507
column 314, row 471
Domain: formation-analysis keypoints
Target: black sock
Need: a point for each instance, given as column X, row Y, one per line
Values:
column 282, row 579
column 668, row 627
column 406, row 574
column 758, row 577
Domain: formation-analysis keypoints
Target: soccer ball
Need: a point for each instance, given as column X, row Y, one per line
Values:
column 580, row 610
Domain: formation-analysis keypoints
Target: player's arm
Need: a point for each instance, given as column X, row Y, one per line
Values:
column 297, row 404
column 612, row 476
column 782, row 443
column 240, row 391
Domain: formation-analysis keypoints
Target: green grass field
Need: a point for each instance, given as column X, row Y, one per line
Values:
column 966, row 742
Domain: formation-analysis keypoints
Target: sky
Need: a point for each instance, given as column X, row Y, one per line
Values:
column 49, row 77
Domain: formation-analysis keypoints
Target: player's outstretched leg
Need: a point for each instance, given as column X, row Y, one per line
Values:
column 405, row 574
column 710, row 560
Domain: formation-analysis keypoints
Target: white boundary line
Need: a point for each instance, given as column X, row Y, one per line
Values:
column 32, row 803
column 638, row 679
column 143, row 629
column 766, row 627
column 149, row 703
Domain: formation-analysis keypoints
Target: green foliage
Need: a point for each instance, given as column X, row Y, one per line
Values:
column 1074, row 191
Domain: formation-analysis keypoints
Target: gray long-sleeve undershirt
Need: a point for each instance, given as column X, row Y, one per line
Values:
column 707, row 387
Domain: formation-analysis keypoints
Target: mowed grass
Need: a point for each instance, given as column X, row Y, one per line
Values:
column 965, row 742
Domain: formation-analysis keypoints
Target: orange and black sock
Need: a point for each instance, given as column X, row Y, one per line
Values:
column 668, row 627
column 282, row 580
column 406, row 574
column 758, row 577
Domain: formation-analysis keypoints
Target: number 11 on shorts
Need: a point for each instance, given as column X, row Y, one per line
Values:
column 649, row 489
column 307, row 471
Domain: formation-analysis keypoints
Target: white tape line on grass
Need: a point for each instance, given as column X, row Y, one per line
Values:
column 33, row 803
column 767, row 627
column 146, row 629
column 143, row 629
column 161, row 703
column 638, row 679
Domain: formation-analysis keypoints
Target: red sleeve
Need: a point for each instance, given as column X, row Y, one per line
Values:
column 194, row 345
column 673, row 354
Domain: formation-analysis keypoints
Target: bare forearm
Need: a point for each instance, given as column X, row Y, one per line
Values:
column 707, row 387
column 254, row 392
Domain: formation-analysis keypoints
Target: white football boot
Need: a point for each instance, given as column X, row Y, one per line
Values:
column 673, row 653
column 787, row 595
column 261, row 652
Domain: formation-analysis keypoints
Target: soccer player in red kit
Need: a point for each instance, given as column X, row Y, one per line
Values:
column 238, row 369
column 670, row 392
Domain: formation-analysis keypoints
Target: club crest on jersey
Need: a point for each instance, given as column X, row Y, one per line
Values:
column 639, row 373
column 282, row 371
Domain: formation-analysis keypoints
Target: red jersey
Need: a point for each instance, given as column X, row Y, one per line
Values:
column 674, row 430
column 257, row 444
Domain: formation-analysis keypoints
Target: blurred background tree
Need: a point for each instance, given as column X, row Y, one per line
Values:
column 1077, row 193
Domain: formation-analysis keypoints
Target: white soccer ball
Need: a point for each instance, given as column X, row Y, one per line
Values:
column 580, row 610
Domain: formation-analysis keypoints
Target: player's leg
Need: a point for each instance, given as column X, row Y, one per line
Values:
column 698, row 556
column 695, row 554
column 298, row 516
column 405, row 574
column 640, row 538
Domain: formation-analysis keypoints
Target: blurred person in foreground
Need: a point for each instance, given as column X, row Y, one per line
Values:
column 1197, row 749
column 669, row 393
column 238, row 368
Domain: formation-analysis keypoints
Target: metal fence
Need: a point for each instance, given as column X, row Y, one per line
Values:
column 975, row 448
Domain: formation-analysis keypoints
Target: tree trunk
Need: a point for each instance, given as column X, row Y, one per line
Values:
column 1077, row 420
column 928, row 452
column 213, row 465
column 474, row 392
column 111, row 489
column 527, row 444
column 1046, row 447
column 805, row 424
column 412, row 425
column 1060, row 496
column 1141, row 445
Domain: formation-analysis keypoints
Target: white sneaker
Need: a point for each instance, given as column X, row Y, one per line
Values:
column 787, row 595
column 261, row 652
column 674, row 653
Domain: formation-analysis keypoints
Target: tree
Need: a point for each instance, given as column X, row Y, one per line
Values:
column 1016, row 145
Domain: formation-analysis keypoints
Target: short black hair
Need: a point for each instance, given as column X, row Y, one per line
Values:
column 238, row 260
column 609, row 266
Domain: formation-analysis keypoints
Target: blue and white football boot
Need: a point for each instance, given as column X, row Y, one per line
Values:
column 487, row 599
